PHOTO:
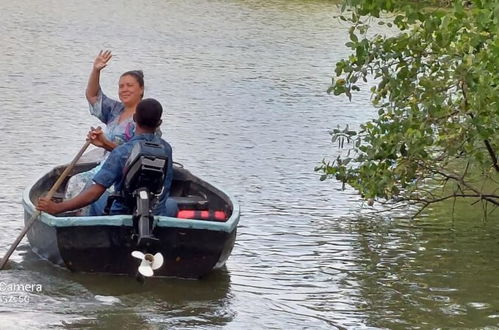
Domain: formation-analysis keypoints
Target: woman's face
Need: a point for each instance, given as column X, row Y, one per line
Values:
column 130, row 91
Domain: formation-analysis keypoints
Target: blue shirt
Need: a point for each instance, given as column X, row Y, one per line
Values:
column 112, row 172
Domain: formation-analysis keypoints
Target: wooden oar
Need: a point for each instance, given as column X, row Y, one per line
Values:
column 51, row 192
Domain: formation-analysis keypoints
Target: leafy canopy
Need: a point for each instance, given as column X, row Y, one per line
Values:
column 436, row 89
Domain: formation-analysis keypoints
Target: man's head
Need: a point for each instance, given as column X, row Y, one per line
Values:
column 148, row 114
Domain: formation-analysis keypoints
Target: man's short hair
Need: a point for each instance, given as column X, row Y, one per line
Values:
column 148, row 113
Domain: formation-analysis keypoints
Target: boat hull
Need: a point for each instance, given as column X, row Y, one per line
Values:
column 191, row 248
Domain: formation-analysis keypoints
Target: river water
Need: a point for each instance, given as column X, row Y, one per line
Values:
column 243, row 83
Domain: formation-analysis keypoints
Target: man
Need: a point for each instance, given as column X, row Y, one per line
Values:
column 147, row 118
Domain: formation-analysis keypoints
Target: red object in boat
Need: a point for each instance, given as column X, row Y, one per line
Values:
column 202, row 215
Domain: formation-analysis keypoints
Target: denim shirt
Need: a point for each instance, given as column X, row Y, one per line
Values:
column 112, row 172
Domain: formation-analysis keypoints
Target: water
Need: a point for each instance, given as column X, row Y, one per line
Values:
column 243, row 84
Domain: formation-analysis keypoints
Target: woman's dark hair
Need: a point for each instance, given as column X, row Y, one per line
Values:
column 148, row 113
column 138, row 75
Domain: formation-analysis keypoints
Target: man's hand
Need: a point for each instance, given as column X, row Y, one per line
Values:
column 47, row 205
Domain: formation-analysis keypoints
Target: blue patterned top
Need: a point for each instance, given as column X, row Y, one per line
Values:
column 108, row 111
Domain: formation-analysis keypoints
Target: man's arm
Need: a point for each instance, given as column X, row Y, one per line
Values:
column 85, row 198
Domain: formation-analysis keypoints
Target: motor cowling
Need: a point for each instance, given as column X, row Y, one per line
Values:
column 143, row 182
column 145, row 168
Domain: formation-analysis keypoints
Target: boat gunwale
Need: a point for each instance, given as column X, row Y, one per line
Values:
column 126, row 220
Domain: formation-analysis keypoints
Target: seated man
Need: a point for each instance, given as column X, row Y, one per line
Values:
column 147, row 118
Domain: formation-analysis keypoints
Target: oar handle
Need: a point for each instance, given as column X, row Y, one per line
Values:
column 51, row 192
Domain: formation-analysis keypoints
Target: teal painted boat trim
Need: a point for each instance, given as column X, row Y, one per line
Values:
column 126, row 220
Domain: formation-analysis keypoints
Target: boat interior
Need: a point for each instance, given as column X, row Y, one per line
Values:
column 190, row 192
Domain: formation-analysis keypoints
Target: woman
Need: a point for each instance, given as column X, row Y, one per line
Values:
column 118, row 117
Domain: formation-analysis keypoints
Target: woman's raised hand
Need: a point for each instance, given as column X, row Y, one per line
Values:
column 101, row 60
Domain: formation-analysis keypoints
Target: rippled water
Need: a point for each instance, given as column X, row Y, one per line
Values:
column 244, row 85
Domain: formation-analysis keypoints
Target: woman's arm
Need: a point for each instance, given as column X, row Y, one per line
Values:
column 93, row 85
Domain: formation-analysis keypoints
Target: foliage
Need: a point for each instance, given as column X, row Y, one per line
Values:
column 436, row 92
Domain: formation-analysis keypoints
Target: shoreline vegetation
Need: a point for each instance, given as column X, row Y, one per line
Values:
column 436, row 88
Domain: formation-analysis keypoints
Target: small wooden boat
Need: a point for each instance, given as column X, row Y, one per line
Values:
column 190, row 248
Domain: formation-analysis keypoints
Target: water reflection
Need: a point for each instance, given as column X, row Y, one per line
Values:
column 433, row 272
column 114, row 302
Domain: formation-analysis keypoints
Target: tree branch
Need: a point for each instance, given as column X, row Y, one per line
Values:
column 492, row 155
column 488, row 197
column 490, row 150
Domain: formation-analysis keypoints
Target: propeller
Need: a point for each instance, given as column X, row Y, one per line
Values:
column 149, row 262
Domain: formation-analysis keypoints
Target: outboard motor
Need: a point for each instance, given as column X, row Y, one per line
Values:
column 144, row 174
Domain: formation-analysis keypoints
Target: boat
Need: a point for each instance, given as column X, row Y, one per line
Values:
column 191, row 245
